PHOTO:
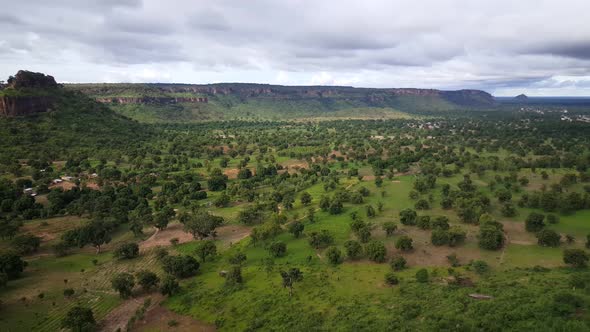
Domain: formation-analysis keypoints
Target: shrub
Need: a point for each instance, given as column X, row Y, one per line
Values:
column 398, row 263
column 575, row 257
column 480, row 267
column 391, row 279
column 320, row 239
column 422, row 276
column 376, row 251
column 404, row 243
column 277, row 249
column 440, row 222
column 423, row 222
column 439, row 237
column 353, row 249
column 408, row 217
column 169, row 286
column 534, row 222
column 79, row 319
column 334, row 255
column 548, row 238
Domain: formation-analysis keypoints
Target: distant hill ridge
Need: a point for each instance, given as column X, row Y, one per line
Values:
column 173, row 93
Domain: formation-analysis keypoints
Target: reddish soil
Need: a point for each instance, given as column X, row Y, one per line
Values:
column 63, row 185
column 232, row 173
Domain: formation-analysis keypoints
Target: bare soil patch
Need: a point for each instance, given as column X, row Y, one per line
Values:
column 65, row 185
column 516, row 233
column 228, row 234
column 293, row 165
column 231, row 173
column 118, row 318
column 157, row 319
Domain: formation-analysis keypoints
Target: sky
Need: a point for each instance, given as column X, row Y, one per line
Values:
column 536, row 47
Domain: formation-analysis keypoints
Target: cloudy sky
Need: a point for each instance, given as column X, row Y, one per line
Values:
column 538, row 47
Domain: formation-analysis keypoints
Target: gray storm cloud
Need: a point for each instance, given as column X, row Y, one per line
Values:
column 533, row 46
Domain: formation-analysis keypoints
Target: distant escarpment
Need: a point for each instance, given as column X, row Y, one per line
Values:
column 27, row 93
column 328, row 97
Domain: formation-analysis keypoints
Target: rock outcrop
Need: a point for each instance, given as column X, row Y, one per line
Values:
column 24, row 105
column 27, row 93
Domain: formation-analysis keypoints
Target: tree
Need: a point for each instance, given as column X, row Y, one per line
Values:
column 201, row 224
column 206, row 249
column 96, row 233
column 296, row 228
column 422, row 205
column 180, row 266
column 391, row 279
column 491, row 236
column 320, row 239
column 305, row 198
column 353, row 249
column 439, row 237
column 575, row 257
column 222, row 200
column 404, row 243
column 371, row 211
column 26, row 244
column 169, row 286
column 162, row 218
column 79, row 319
column 336, row 206
column 423, row 222
column 389, row 227
column 480, row 267
column 290, row 277
column 277, row 249
column 234, row 275
column 398, row 263
column 376, row 251
column 147, row 280
column 408, row 217
column 126, row 251
column 534, row 222
column 123, row 283
column 508, row 210
column 440, row 222
column 237, row 259
column 456, row 236
column 422, row 275
column 548, row 238
column 12, row 265
column 334, row 255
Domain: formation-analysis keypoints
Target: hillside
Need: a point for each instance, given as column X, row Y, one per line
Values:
column 40, row 118
column 186, row 102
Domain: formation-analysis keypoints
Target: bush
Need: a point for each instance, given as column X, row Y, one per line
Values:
column 147, row 280
column 422, row 276
column 169, row 286
column 566, row 304
column 26, row 244
column 376, row 251
column 534, row 222
column 575, row 257
column 123, row 283
column 398, row 263
column 353, row 249
column 389, row 227
column 126, row 251
column 423, row 222
column 422, row 205
column 439, row 237
column 320, row 239
column 277, row 249
column 391, row 279
column 408, row 217
column 79, row 319
column 548, row 238
column 480, row 267
column 334, row 255
column 404, row 243
column 440, row 222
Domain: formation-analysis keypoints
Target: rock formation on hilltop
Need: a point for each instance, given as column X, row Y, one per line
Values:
column 27, row 93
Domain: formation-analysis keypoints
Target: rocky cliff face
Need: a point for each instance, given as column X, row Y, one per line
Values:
column 151, row 100
column 27, row 93
column 25, row 105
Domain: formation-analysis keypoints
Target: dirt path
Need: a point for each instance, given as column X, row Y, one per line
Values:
column 229, row 234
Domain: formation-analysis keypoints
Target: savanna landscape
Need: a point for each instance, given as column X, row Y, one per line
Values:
column 294, row 166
